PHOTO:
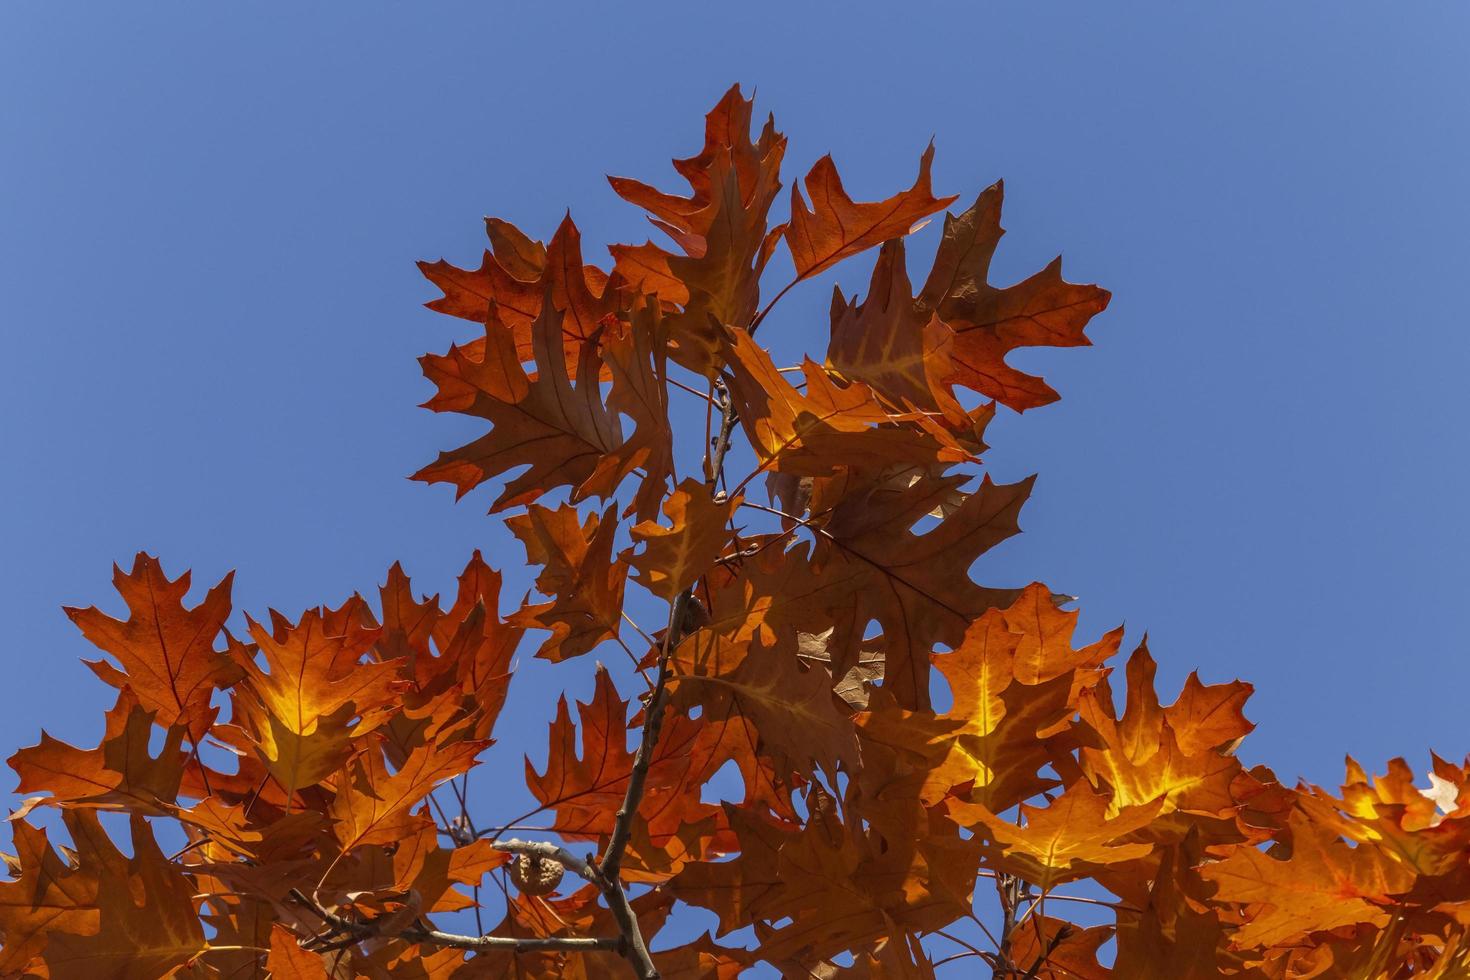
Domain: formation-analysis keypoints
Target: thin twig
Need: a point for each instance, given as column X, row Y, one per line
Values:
column 987, row 957
column 693, row 391
column 774, row 300
column 350, row 932
column 562, row 856
column 639, row 630
column 568, row 944
column 728, row 417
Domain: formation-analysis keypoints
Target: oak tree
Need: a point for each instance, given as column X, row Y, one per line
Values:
column 810, row 534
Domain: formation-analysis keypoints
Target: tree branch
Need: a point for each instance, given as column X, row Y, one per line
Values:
column 721, row 441
column 606, row 874
column 569, row 944
column 552, row 852
column 347, row 932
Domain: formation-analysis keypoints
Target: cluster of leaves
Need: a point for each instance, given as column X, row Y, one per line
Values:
column 806, row 638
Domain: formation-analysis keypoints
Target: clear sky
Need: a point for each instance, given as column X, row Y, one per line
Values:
column 209, row 215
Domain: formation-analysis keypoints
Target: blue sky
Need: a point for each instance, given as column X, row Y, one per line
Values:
column 209, row 216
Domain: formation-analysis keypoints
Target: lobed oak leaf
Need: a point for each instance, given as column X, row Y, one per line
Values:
column 121, row 773
column 1142, row 756
column 988, row 323
column 372, row 805
column 836, row 226
column 560, row 431
column 899, row 956
column 889, row 345
column 791, row 706
column 1324, row 884
column 476, row 646
column 235, row 921
column 1001, row 728
column 674, row 557
column 166, row 650
column 418, row 867
column 1068, row 839
column 1045, row 649
column 634, row 355
column 48, row 896
column 302, row 713
column 512, row 285
column 1051, row 949
column 585, row 786
column 407, row 630
column 781, row 421
column 1174, row 936
column 288, row 961
column 585, row 585
column 721, row 228
column 146, row 923
column 916, row 586
column 840, row 885
column 735, row 738
column 702, row 959
column 519, row 254
column 458, row 662
column 1392, row 814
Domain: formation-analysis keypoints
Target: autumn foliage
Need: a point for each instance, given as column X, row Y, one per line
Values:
column 933, row 774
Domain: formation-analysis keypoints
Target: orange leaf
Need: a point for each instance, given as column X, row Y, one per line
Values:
column 585, row 586
column 721, row 228
column 511, row 286
column 288, row 961
column 121, row 773
column 372, row 805
column 988, row 322
column 1066, row 840
column 674, row 557
column 146, row 922
column 561, row 432
column 301, row 715
column 1324, row 884
column 836, row 226
column 166, row 650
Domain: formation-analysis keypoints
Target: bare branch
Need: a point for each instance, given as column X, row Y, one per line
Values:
column 560, row 855
column 569, row 944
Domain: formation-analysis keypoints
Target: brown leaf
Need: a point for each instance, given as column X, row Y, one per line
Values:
column 146, row 922
column 288, row 961
column 721, row 229
column 674, row 557
column 511, row 286
column 791, row 706
column 560, row 431
column 47, row 897
column 585, row 586
column 988, row 322
column 915, row 585
column 372, row 805
column 586, row 788
column 634, row 355
column 166, row 650
column 832, row 884
column 888, row 344
column 121, row 773
column 1324, row 884
column 836, row 226
column 1066, row 840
